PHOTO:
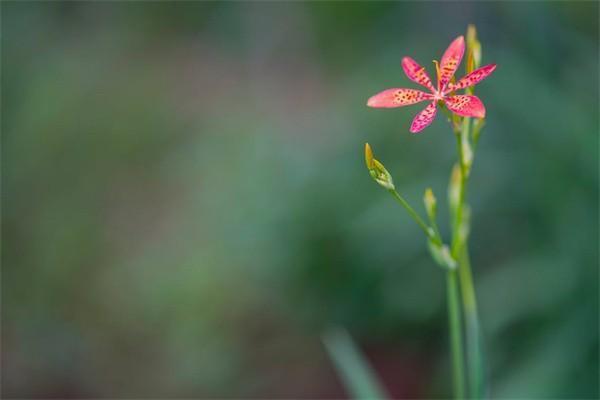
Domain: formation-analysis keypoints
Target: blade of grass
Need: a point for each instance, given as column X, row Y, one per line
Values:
column 354, row 370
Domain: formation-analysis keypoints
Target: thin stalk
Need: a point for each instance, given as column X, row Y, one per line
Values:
column 459, row 251
column 428, row 231
column 456, row 334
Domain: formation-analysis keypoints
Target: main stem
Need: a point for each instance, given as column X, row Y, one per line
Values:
column 460, row 253
column 456, row 334
column 474, row 351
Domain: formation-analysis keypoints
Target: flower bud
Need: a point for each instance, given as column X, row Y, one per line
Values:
column 441, row 254
column 470, row 63
column 473, row 49
column 477, row 54
column 377, row 170
column 471, row 34
column 430, row 204
column 369, row 157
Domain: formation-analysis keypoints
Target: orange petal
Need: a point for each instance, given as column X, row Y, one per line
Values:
column 450, row 61
column 466, row 106
column 397, row 98
column 472, row 79
column 424, row 118
column 416, row 73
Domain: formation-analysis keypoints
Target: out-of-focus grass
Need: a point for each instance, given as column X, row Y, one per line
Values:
column 186, row 205
column 359, row 378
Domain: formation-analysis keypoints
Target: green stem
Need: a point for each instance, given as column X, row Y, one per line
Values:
column 428, row 231
column 456, row 335
column 474, row 353
column 459, row 251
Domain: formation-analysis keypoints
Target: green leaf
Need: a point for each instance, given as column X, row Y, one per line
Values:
column 354, row 370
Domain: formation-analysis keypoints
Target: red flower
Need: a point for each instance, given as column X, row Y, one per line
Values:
column 463, row 105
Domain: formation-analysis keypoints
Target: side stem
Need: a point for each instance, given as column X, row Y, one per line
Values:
column 428, row 231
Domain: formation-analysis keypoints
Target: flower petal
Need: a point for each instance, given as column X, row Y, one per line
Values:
column 397, row 98
column 416, row 73
column 424, row 118
column 472, row 79
column 466, row 106
column 450, row 61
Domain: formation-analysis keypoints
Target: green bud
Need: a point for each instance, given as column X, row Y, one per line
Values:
column 369, row 157
column 430, row 204
column 473, row 48
column 382, row 176
column 476, row 55
column 470, row 66
column 441, row 255
column 377, row 170
column 473, row 55
column 471, row 34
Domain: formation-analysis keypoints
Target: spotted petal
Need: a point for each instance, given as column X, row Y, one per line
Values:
column 424, row 118
column 397, row 98
column 416, row 73
column 472, row 79
column 450, row 61
column 466, row 106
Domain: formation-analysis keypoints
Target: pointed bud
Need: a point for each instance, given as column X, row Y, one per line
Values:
column 470, row 62
column 369, row 157
column 471, row 34
column 377, row 170
column 473, row 48
column 441, row 254
column 473, row 52
column 430, row 204
column 383, row 177
column 476, row 50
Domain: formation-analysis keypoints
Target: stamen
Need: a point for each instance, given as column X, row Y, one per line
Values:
column 437, row 70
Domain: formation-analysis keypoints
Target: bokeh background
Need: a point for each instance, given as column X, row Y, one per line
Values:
column 186, row 209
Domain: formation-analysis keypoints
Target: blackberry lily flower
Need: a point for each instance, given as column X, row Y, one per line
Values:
column 463, row 105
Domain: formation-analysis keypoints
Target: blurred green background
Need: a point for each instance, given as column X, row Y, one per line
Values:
column 186, row 208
